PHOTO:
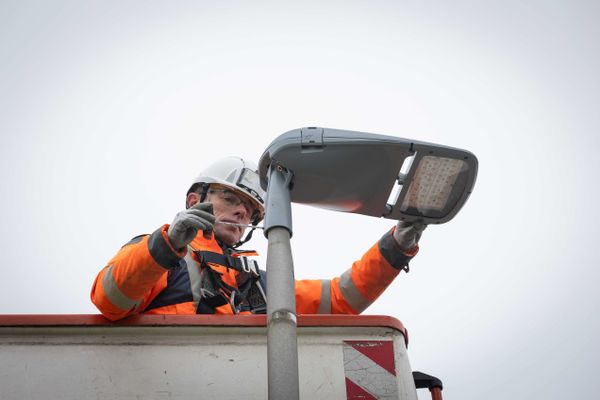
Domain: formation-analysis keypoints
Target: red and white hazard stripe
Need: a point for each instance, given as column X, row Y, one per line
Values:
column 370, row 370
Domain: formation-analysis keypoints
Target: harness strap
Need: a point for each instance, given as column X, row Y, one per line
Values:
column 215, row 292
column 239, row 263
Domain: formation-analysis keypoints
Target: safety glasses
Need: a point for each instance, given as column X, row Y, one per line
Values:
column 232, row 199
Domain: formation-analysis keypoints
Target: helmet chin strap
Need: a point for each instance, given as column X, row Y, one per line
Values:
column 248, row 235
column 241, row 242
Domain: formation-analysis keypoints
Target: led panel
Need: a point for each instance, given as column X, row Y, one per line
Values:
column 431, row 187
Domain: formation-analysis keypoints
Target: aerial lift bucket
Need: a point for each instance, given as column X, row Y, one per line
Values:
column 352, row 172
column 80, row 357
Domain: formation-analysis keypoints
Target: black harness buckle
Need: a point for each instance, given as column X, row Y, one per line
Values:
column 249, row 266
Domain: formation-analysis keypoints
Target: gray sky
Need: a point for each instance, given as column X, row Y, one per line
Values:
column 109, row 109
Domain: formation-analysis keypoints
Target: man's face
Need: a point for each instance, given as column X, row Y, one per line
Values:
column 229, row 206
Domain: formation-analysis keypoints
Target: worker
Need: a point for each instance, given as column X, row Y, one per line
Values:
column 194, row 266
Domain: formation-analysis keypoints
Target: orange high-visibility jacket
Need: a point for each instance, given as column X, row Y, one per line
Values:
column 149, row 276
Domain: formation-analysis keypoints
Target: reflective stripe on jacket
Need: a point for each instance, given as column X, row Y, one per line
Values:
column 148, row 275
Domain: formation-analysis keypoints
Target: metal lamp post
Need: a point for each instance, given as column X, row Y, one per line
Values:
column 281, row 307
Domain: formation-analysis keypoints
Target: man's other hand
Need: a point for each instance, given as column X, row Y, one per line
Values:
column 407, row 234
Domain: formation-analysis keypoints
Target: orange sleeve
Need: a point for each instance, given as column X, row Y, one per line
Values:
column 358, row 287
column 308, row 296
column 135, row 275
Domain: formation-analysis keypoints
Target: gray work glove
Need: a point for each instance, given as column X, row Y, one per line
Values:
column 186, row 224
column 407, row 234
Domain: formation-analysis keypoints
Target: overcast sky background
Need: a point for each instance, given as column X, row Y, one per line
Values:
column 109, row 109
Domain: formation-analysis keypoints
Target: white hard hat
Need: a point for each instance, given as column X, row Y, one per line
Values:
column 237, row 174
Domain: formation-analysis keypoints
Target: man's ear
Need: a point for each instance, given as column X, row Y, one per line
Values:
column 192, row 198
